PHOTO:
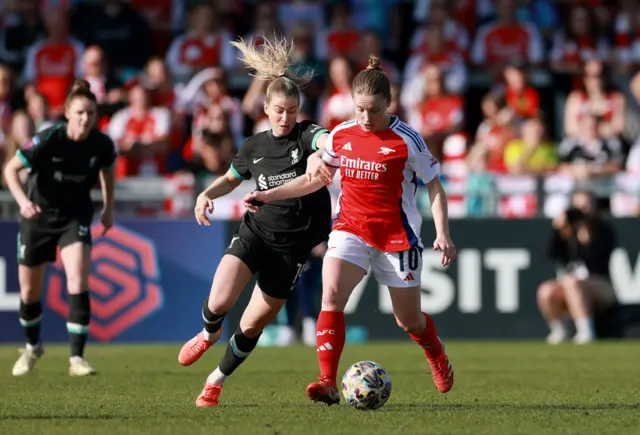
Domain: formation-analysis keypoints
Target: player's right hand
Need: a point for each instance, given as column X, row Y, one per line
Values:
column 254, row 200
column 317, row 168
column 203, row 204
column 29, row 210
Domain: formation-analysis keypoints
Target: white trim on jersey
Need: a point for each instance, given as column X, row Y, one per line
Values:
column 420, row 159
column 422, row 162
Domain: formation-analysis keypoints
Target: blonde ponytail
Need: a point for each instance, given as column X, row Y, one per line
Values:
column 272, row 62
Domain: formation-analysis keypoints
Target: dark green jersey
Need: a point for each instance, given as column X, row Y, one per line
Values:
column 62, row 171
column 273, row 161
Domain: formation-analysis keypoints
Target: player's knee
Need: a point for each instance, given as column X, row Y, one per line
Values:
column 252, row 323
column 30, row 292
column 251, row 330
column 546, row 292
column 331, row 300
column 219, row 305
column 221, row 301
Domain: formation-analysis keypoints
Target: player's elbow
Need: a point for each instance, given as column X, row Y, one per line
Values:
column 12, row 167
column 436, row 191
column 11, row 170
column 435, row 186
column 231, row 180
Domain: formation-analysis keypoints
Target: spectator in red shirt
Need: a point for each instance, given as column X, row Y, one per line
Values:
column 158, row 80
column 105, row 87
column 54, row 63
column 577, row 43
column 506, row 40
column 492, row 136
column 337, row 106
column 434, row 52
column 456, row 36
column 215, row 120
column 439, row 114
column 521, row 98
column 596, row 97
column 141, row 133
column 205, row 44
column 340, row 39
column 208, row 87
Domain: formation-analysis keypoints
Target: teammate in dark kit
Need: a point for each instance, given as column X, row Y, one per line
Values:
column 275, row 242
column 64, row 163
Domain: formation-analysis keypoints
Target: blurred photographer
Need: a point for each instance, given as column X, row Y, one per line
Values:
column 581, row 244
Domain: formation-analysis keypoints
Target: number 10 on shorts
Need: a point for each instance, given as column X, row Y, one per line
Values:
column 410, row 260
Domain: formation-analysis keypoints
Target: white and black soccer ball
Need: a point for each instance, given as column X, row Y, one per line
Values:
column 366, row 385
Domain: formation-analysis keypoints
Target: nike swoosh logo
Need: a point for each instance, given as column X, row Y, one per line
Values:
column 257, row 160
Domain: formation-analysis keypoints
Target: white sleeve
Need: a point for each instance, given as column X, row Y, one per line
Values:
column 188, row 95
column 329, row 155
column 162, row 118
column 420, row 159
column 117, row 125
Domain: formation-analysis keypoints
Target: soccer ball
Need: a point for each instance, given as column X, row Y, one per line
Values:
column 366, row 385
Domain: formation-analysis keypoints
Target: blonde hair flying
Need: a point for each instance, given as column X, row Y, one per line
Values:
column 272, row 62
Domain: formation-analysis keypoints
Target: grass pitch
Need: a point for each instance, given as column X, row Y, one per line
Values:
column 501, row 388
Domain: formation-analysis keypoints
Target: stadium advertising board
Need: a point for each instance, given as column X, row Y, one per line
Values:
column 489, row 291
column 149, row 279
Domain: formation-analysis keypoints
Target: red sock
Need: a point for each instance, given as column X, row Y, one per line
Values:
column 429, row 340
column 330, row 338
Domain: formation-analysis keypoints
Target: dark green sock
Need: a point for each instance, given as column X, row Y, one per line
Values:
column 78, row 322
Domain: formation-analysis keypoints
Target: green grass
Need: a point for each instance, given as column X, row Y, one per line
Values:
column 501, row 388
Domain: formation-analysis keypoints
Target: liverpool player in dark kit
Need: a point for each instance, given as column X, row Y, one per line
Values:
column 275, row 242
column 64, row 162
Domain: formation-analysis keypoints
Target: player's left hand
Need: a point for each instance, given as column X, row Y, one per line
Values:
column 317, row 168
column 446, row 247
column 254, row 200
column 107, row 219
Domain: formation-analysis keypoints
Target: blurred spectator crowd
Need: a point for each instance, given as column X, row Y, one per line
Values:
column 503, row 91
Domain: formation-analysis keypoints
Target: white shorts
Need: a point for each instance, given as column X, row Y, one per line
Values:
column 392, row 269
